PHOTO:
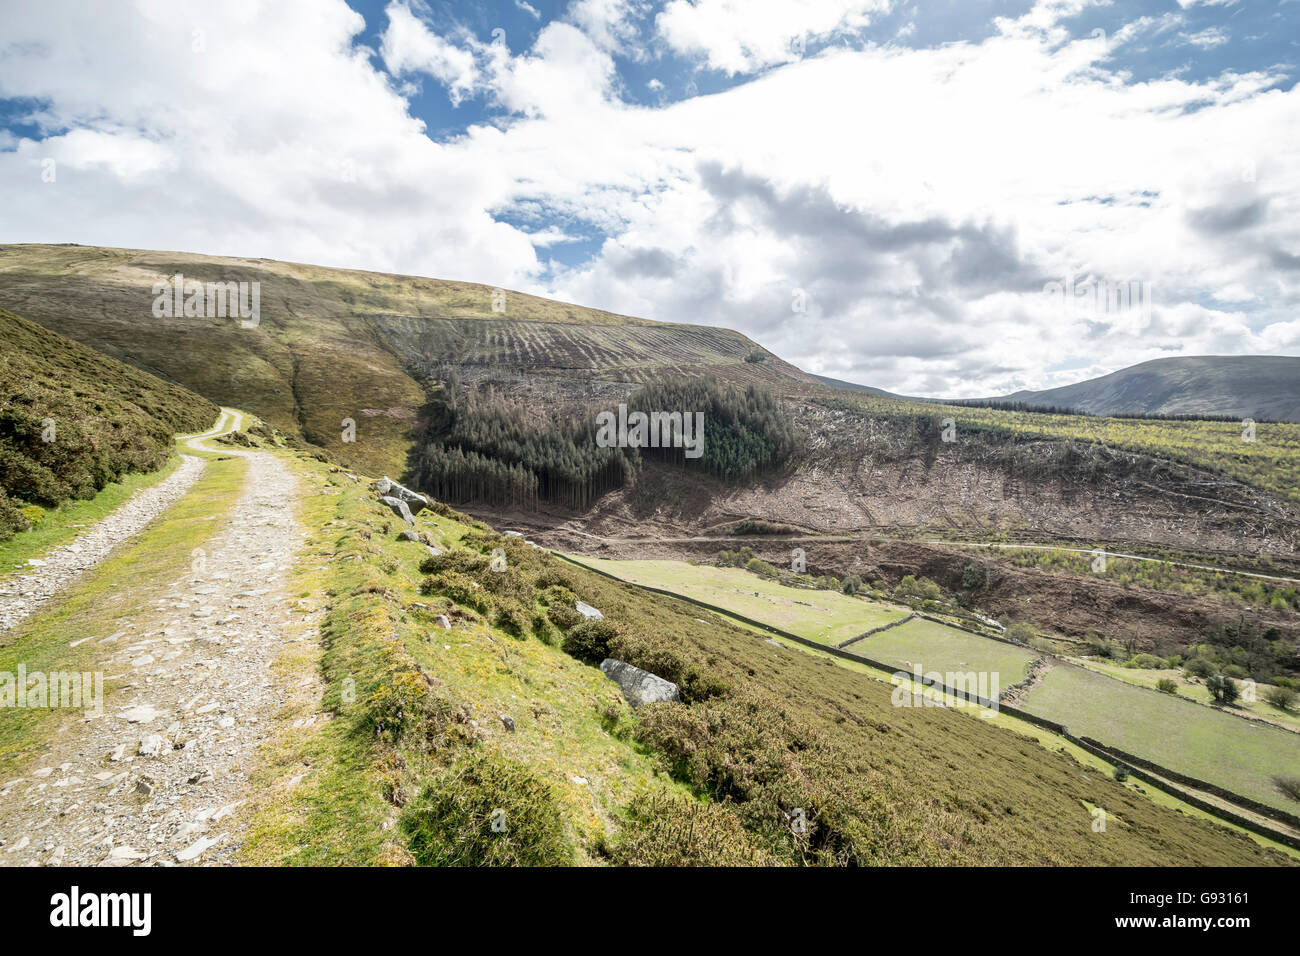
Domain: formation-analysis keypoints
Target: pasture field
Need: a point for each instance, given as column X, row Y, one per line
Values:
column 933, row 647
column 827, row 617
column 1239, row 755
column 1194, row 690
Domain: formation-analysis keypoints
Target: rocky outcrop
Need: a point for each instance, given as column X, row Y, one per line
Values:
column 387, row 488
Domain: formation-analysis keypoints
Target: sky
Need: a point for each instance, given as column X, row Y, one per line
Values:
column 936, row 197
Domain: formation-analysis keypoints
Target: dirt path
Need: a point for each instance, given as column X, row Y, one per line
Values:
column 23, row 594
column 159, row 777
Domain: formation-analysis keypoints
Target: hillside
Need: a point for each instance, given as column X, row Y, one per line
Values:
column 73, row 420
column 1263, row 387
column 762, row 736
column 338, row 344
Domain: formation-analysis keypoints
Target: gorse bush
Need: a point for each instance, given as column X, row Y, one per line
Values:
column 564, row 616
column 405, row 709
column 1283, row 698
column 590, row 641
column 458, row 587
column 73, row 420
column 487, row 810
column 917, row 589
column 669, row 831
column 1222, row 689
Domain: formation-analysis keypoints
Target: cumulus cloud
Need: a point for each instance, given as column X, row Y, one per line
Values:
column 740, row 36
column 410, row 46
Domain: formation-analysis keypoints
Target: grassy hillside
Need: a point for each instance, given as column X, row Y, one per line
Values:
column 1242, row 386
column 336, row 344
column 421, row 757
column 72, row 421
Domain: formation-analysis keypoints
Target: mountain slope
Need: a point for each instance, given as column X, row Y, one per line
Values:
column 337, row 344
column 72, row 420
column 1241, row 386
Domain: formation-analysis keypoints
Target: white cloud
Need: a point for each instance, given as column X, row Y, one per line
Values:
column 611, row 24
column 409, row 46
column 1208, row 38
column 740, row 36
column 255, row 147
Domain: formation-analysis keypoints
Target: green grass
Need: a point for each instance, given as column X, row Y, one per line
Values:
column 1193, row 689
column 824, row 616
column 1201, row 742
column 106, row 600
column 933, row 647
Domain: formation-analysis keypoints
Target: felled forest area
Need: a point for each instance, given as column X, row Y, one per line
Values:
column 480, row 444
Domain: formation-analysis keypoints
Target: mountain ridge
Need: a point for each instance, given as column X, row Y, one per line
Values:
column 1265, row 387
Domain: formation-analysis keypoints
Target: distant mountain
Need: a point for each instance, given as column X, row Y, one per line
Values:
column 1242, row 386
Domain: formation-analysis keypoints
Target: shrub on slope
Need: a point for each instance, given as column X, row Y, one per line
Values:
column 73, row 420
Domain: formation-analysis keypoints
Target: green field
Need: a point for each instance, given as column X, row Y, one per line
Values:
column 1202, row 742
column 827, row 617
column 1194, row 689
column 933, row 647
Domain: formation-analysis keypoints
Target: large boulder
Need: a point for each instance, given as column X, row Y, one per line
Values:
column 386, row 487
column 400, row 507
column 638, row 686
column 589, row 612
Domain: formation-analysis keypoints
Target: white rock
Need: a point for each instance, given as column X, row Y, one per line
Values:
column 124, row 855
column 142, row 714
column 194, row 850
